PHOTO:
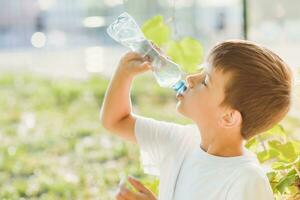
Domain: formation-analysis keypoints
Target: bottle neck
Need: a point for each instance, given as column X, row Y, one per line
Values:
column 180, row 86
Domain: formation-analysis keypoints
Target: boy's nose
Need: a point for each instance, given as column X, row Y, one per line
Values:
column 193, row 79
column 189, row 81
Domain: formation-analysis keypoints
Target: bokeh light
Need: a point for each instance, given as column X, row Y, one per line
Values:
column 38, row 39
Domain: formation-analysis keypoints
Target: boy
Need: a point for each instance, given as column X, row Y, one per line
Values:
column 244, row 90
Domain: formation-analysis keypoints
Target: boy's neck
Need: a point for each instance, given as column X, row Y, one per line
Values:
column 220, row 144
column 223, row 151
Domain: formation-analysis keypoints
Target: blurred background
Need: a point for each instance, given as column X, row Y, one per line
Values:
column 56, row 60
column 34, row 32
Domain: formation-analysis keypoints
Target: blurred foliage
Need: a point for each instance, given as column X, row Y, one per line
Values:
column 187, row 52
column 52, row 143
column 156, row 30
column 280, row 150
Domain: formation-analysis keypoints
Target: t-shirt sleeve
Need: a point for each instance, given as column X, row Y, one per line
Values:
column 252, row 184
column 156, row 140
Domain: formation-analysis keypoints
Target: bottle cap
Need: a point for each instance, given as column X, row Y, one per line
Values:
column 180, row 86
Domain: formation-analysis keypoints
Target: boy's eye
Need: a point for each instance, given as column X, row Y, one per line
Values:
column 204, row 81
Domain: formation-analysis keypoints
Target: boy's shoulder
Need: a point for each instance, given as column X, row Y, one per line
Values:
column 252, row 171
column 251, row 183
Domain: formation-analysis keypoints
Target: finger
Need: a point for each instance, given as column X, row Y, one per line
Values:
column 132, row 56
column 128, row 194
column 119, row 196
column 146, row 65
column 141, row 66
column 147, row 58
column 142, row 58
column 136, row 63
column 137, row 184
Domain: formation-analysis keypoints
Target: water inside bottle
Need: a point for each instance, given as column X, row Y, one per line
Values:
column 166, row 72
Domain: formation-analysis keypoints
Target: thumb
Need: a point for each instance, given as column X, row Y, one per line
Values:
column 138, row 185
column 146, row 65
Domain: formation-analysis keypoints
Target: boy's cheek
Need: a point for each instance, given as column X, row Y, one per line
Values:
column 191, row 104
column 188, row 107
column 199, row 104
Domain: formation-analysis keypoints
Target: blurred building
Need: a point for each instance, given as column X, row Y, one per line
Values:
column 79, row 22
column 68, row 37
column 19, row 20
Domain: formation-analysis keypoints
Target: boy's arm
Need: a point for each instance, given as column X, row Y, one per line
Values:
column 115, row 114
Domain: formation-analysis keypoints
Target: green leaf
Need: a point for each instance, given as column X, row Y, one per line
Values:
column 287, row 150
column 281, row 165
column 271, row 176
column 273, row 153
column 296, row 144
column 251, row 143
column 284, row 182
column 188, row 53
column 156, row 30
column 274, row 144
column 273, row 186
column 276, row 130
column 267, row 155
column 263, row 156
column 291, row 172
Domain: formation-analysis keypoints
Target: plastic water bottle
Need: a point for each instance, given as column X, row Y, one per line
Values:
column 166, row 72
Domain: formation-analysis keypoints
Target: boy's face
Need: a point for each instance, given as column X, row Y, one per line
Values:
column 200, row 102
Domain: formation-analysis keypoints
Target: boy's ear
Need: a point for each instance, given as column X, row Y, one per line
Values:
column 230, row 119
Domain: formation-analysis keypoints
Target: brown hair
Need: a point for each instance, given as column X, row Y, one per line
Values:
column 259, row 87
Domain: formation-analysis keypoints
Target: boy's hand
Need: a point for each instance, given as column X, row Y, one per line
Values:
column 142, row 194
column 133, row 63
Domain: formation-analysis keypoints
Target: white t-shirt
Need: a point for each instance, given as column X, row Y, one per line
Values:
column 172, row 152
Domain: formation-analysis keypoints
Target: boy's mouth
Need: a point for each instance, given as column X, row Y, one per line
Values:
column 179, row 96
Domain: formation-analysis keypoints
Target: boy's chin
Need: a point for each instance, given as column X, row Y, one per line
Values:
column 179, row 108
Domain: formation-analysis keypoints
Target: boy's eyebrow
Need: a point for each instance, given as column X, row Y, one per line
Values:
column 210, row 79
column 206, row 68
